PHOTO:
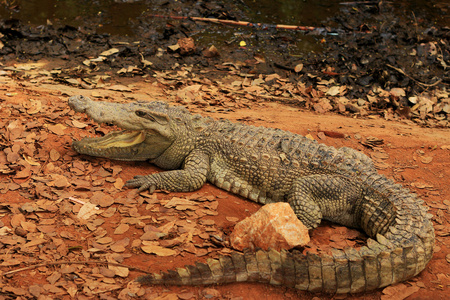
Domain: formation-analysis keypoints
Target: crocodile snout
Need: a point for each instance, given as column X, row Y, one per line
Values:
column 79, row 103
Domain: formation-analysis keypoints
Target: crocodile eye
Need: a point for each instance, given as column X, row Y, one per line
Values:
column 141, row 114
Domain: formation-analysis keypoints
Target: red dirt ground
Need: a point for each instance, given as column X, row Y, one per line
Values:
column 417, row 157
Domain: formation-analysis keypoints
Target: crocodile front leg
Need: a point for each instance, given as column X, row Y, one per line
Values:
column 190, row 178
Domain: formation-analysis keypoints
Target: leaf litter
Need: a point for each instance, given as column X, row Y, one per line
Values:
column 84, row 194
column 110, row 224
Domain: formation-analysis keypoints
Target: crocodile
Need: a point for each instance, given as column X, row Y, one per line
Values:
column 271, row 165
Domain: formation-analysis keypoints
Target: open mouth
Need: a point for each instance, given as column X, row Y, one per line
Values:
column 120, row 145
column 120, row 139
column 128, row 145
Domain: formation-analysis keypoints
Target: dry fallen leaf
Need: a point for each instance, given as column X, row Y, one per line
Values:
column 211, row 293
column 309, row 136
column 119, row 271
column 106, row 201
column 211, row 52
column 24, row 173
column 5, row 230
column 54, row 155
column 119, row 87
column 399, row 291
column 119, row 183
column 71, row 289
column 122, row 228
column 60, row 181
column 171, row 296
column 14, row 290
column 107, row 272
column 57, row 129
column 232, row 219
column 16, row 219
column 426, row 159
column 109, row 52
column 78, row 124
column 334, row 90
column 68, row 269
column 87, row 210
column 298, row 68
column 28, row 226
column 398, row 92
column 31, row 161
column 158, row 250
column 117, row 248
column 35, row 242
column 33, row 107
column 181, row 204
column 35, row 290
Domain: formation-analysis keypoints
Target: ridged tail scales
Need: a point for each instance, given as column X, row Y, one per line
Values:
column 348, row 271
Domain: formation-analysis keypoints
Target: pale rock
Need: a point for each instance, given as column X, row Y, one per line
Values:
column 274, row 226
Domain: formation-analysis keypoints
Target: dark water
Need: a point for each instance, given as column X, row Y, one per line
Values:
column 292, row 12
column 116, row 16
column 120, row 17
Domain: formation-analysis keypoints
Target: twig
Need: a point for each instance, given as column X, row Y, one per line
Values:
column 415, row 80
column 260, row 26
column 67, row 262
column 79, row 201
column 363, row 3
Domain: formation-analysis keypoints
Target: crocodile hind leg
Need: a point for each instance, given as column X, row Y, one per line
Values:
column 331, row 197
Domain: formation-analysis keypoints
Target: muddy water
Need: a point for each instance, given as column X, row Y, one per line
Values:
column 119, row 17
column 292, row 12
column 113, row 17
column 116, row 16
column 122, row 17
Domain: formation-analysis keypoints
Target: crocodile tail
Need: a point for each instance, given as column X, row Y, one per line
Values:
column 376, row 265
column 260, row 266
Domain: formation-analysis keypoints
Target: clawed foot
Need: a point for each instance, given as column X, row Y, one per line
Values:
column 142, row 183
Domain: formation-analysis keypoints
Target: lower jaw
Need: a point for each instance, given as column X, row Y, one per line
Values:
column 113, row 153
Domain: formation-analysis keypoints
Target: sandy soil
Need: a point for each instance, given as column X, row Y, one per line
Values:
column 417, row 157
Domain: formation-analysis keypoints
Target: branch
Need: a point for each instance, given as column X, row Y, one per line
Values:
column 417, row 81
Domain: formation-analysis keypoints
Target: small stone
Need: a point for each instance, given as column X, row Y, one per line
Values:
column 107, row 272
column 274, row 226
column 209, row 293
column 187, row 46
column 20, row 231
column 211, row 52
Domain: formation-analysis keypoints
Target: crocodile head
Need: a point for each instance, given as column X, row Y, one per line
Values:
column 147, row 129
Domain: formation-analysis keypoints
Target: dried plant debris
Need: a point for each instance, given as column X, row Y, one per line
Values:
column 72, row 224
column 68, row 222
column 75, row 211
column 384, row 71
